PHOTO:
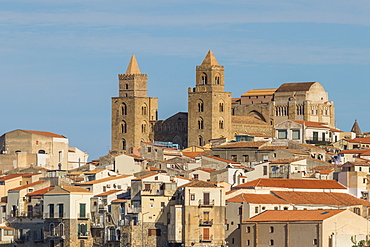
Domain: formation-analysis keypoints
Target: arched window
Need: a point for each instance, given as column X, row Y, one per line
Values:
column 204, row 78
column 41, row 151
column 200, row 141
column 52, row 229
column 123, row 144
column 200, row 123
column 126, row 86
column 61, row 229
column 221, row 107
column 221, row 124
column 200, row 106
column 143, row 127
column 124, row 109
column 144, row 110
column 123, row 127
column 217, row 80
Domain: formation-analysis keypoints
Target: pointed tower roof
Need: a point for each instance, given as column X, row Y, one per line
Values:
column 133, row 67
column 210, row 59
column 356, row 128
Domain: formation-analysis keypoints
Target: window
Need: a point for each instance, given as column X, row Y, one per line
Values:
column 315, row 136
column 323, row 137
column 221, row 107
column 123, row 144
column 147, row 187
column 8, row 232
column 200, row 141
column 154, row 232
column 295, row 134
column 192, row 197
column 248, row 242
column 52, row 229
column 246, row 158
column 240, row 210
column 256, row 210
column 204, row 78
column 51, row 210
column 221, row 124
column 196, row 176
column 285, row 208
column 162, row 204
column 264, row 170
column 271, row 242
column 271, row 229
column 61, row 210
column 248, row 229
column 234, row 157
column 200, row 106
column 82, row 210
column 315, row 241
column 124, row 109
column 200, row 123
column 364, row 180
column 82, row 230
column 276, row 208
column 357, row 211
column 123, row 127
column 143, row 110
column 149, row 149
column 206, row 234
column 217, row 80
column 143, row 128
column 282, row 134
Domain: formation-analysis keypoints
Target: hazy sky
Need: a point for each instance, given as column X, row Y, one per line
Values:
column 59, row 60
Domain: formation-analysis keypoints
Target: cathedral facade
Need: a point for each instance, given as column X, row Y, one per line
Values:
column 212, row 113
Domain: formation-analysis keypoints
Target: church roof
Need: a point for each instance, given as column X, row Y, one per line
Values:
column 210, row 59
column 297, row 86
column 356, row 129
column 258, row 92
column 133, row 67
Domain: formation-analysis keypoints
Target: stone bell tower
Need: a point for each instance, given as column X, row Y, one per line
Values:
column 133, row 112
column 209, row 106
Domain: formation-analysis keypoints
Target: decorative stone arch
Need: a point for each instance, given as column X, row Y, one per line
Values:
column 257, row 115
column 221, row 123
column 144, row 109
column 203, row 78
column 200, row 141
column 217, row 79
column 123, row 109
column 221, row 106
column 200, row 105
column 177, row 140
column 200, row 123
column 123, row 127
column 144, row 127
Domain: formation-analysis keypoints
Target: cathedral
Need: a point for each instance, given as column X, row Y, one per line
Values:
column 212, row 112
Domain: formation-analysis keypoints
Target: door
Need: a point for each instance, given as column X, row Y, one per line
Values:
column 206, row 198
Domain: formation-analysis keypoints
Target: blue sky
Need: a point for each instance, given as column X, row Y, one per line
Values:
column 59, row 60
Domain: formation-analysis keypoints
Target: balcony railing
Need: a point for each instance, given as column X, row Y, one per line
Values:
column 133, row 210
column 152, row 192
column 206, row 203
column 205, row 222
column 83, row 216
column 18, row 214
column 55, row 215
column 204, row 238
column 83, row 234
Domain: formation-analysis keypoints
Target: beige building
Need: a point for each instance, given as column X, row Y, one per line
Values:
column 133, row 112
column 21, row 148
column 197, row 215
column 209, row 106
column 322, row 228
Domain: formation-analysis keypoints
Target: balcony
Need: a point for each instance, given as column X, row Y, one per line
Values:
column 83, row 235
column 83, row 215
column 205, row 239
column 152, row 192
column 133, row 210
column 97, row 225
column 205, row 222
column 55, row 215
column 206, row 203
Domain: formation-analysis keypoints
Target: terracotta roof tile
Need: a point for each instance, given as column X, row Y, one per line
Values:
column 45, row 133
column 292, row 183
column 257, row 92
column 28, row 185
column 273, row 147
column 295, row 215
column 109, row 192
column 296, row 86
column 311, row 124
column 40, row 192
column 223, row 160
column 95, row 171
column 257, row 199
column 74, row 189
column 102, row 180
column 365, row 140
column 320, row 198
column 145, row 176
column 192, row 155
column 199, row 183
